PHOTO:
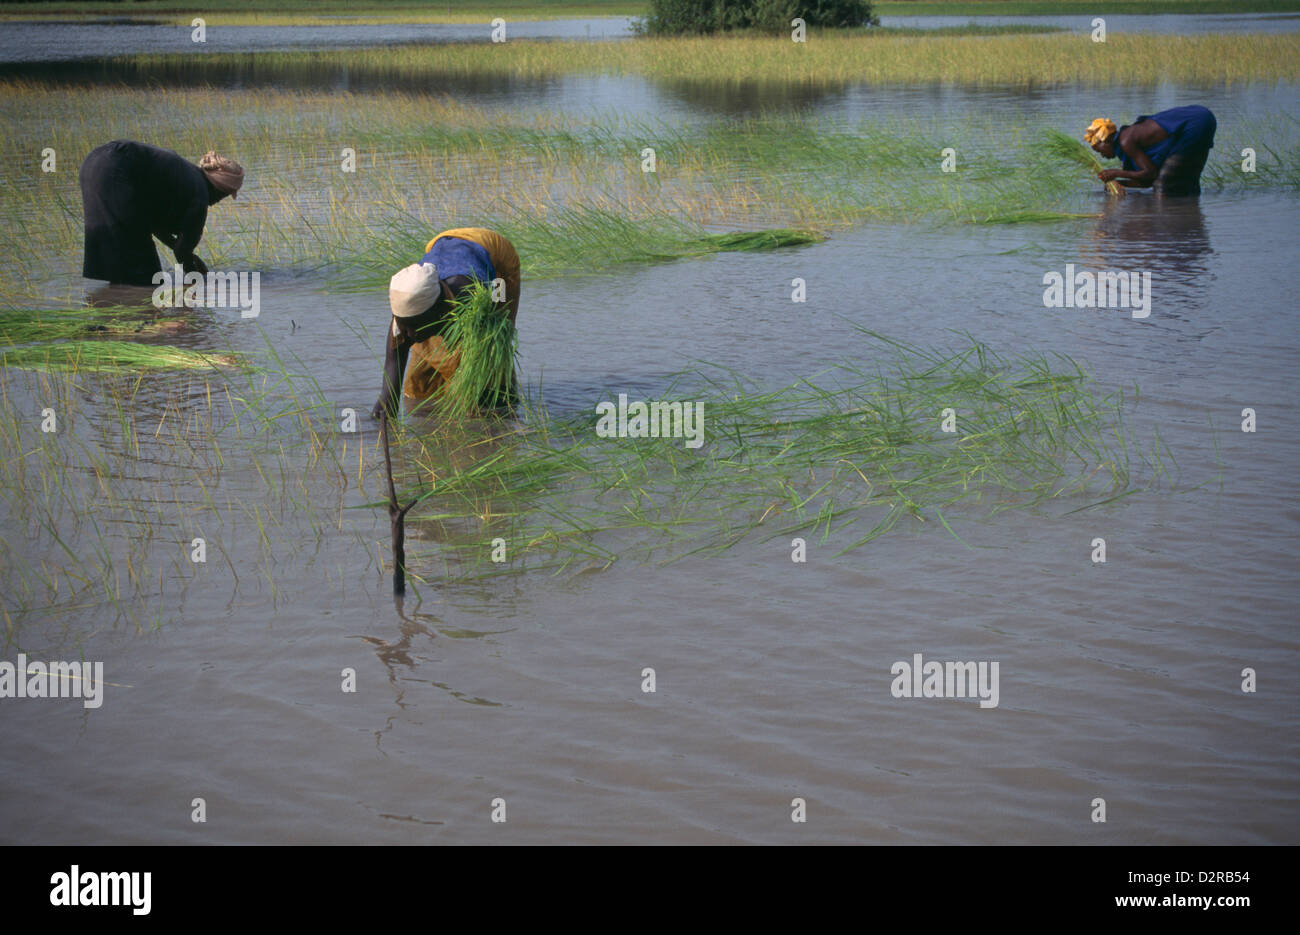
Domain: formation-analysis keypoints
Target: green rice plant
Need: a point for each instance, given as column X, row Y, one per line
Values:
column 579, row 238
column 1031, row 217
column 111, row 356
column 89, row 513
column 1063, row 146
column 850, row 446
column 484, row 337
column 747, row 241
column 24, row 326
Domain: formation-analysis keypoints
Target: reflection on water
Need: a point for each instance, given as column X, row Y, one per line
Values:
column 111, row 294
column 1167, row 236
column 401, row 661
column 749, row 97
column 250, row 71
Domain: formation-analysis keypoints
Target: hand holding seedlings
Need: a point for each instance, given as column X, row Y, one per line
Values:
column 445, row 312
column 1165, row 152
column 1064, row 146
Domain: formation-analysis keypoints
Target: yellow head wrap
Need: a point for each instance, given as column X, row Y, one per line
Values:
column 1099, row 131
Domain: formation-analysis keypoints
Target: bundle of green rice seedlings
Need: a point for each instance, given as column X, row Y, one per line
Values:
column 1064, row 146
column 24, row 326
column 120, row 356
column 759, row 240
column 487, row 341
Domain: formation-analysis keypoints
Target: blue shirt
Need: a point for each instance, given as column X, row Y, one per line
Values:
column 1190, row 129
column 456, row 257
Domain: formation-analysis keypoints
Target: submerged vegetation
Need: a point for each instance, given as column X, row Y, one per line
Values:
column 252, row 460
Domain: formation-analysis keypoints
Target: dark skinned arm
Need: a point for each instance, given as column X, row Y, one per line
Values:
column 191, row 263
column 410, row 331
column 397, row 352
column 1135, row 141
column 191, row 232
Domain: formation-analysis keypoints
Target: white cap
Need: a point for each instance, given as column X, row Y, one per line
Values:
column 412, row 291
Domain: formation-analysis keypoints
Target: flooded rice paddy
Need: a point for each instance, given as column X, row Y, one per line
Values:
column 1118, row 679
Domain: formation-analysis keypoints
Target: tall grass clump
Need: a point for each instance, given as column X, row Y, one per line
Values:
column 1063, row 146
column 835, row 57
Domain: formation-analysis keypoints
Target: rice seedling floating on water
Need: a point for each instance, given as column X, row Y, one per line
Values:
column 121, row 356
column 1064, row 146
column 26, row 326
column 756, row 240
column 483, row 335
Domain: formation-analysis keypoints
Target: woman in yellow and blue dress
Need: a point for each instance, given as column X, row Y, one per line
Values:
column 420, row 297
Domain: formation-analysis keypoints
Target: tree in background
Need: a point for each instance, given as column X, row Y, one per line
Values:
column 676, row 17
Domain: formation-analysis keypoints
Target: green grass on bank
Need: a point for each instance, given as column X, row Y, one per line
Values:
column 1079, row 7
column 324, row 12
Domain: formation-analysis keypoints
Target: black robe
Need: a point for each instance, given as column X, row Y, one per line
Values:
column 132, row 193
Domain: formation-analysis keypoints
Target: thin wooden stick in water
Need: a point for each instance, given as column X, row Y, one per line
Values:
column 396, row 514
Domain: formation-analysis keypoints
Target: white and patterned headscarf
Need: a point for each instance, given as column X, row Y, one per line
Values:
column 413, row 290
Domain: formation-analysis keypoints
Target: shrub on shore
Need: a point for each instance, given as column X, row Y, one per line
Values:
column 684, row 17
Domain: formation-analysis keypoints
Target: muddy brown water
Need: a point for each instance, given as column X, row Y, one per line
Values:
column 773, row 678
column 1119, row 680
